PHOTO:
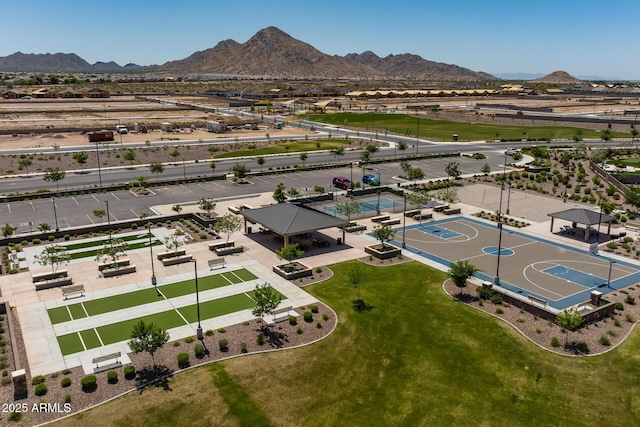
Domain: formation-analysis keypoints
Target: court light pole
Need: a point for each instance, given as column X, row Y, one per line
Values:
column 496, row 279
column 378, row 205
column 199, row 334
column 404, row 219
column 508, row 196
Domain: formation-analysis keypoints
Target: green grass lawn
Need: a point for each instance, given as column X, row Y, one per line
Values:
column 217, row 307
column 90, row 339
column 418, row 358
column 70, row 343
column 443, row 130
column 287, row 147
column 129, row 247
column 146, row 296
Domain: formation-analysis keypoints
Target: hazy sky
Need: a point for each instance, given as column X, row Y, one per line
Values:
column 585, row 37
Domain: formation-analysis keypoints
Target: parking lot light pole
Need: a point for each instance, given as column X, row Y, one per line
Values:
column 55, row 213
column 199, row 334
column 378, row 205
column 99, row 171
column 153, row 271
column 404, row 219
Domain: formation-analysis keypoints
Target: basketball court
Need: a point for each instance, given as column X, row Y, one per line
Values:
column 559, row 275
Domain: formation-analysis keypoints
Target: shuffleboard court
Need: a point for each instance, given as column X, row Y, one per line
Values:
column 369, row 205
column 560, row 275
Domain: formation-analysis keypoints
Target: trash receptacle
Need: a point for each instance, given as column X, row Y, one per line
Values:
column 455, row 137
column 339, row 241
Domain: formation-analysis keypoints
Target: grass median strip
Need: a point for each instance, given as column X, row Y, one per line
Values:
column 94, row 252
column 144, row 296
column 102, row 242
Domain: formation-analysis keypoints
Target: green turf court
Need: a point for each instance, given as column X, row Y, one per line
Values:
column 90, row 339
column 146, row 296
column 121, row 331
column 102, row 242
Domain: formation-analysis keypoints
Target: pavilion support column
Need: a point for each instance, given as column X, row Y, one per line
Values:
column 551, row 229
column 609, row 228
column 245, row 225
column 286, row 240
column 344, row 236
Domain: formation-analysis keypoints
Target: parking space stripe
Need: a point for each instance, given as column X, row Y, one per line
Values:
column 32, row 207
column 113, row 194
column 74, row 199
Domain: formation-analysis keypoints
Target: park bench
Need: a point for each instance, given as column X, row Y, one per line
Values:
column 452, row 211
column 228, row 250
column 219, row 245
column 100, row 359
column 440, row 208
column 70, row 290
column 356, row 228
column 120, row 263
column 234, row 210
column 176, row 260
column 412, row 212
column 172, row 254
column 281, row 314
column 422, row 216
column 119, row 271
column 215, row 262
column 537, row 300
column 380, row 218
column 49, row 276
column 392, row 221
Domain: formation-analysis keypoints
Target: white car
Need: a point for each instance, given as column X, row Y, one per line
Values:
column 511, row 151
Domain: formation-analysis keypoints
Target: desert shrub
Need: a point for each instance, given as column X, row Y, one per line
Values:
column 612, row 245
column 308, row 316
column 243, row 347
column 65, row 382
column 224, row 345
column 189, row 340
column 67, row 398
column 222, row 330
column 293, row 320
column 261, row 339
column 538, row 330
column 582, row 347
column 129, row 372
column 36, row 241
column 52, row 238
column 629, row 318
column 183, row 360
column 604, row 340
column 319, row 325
column 199, row 351
column 325, row 317
column 89, row 383
column 484, row 292
column 112, row 377
column 313, row 308
column 41, row 390
column 15, row 416
column 496, row 298
column 38, row 379
column 499, row 311
column 299, row 331
column 209, row 332
column 555, row 342
column 67, row 237
column 619, row 306
column 520, row 320
column 612, row 333
column 630, row 300
column 318, row 269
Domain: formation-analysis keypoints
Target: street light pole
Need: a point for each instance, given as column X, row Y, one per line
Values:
column 508, row 196
column 55, row 213
column 184, row 170
column 109, row 225
column 199, row 329
column 404, row 219
column 153, row 271
column 378, row 205
column 417, row 135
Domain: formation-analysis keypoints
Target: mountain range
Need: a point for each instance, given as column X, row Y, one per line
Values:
column 269, row 53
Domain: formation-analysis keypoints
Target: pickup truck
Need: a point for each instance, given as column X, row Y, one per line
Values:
column 511, row 151
column 122, row 129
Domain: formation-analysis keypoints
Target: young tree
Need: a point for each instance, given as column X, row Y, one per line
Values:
column 568, row 319
column 348, row 207
column 176, row 208
column 355, row 275
column 53, row 255
column 453, row 170
column 8, row 230
column 228, row 224
column 267, row 301
column 157, row 168
column 486, row 169
column 406, row 167
column 365, row 157
column 212, row 166
column 99, row 213
column 303, row 157
column 279, row 194
column 260, row 161
column 113, row 249
column 318, row 189
column 448, row 194
column 372, row 149
column 290, row 252
column 419, row 199
column 415, row 174
column 240, row 171
column 174, row 241
column 337, row 152
column 24, row 164
column 402, row 146
column 129, row 156
column 54, row 175
column 81, row 157
column 460, row 271
column 147, row 337
column 44, row 227
column 207, row 205
column 175, row 154
column 384, row 233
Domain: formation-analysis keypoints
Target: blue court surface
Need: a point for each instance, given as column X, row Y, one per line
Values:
column 369, row 205
column 558, row 274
